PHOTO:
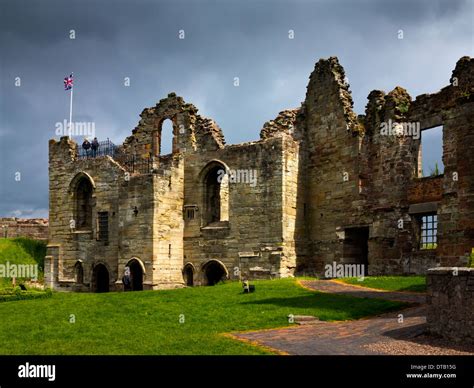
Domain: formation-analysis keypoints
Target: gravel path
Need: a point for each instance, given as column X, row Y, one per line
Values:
column 335, row 287
column 383, row 334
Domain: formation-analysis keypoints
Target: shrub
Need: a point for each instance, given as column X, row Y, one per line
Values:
column 8, row 295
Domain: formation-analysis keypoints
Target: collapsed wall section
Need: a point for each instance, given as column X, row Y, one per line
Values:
column 332, row 140
column 191, row 132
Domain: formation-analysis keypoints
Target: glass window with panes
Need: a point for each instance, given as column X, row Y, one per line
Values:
column 428, row 231
column 103, row 226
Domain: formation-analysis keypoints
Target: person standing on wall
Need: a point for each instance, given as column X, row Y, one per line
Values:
column 94, row 147
column 86, row 145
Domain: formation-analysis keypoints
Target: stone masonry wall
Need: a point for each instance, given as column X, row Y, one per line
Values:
column 332, row 139
column 74, row 245
column 35, row 228
column 390, row 166
column 252, row 240
column 453, row 107
column 135, row 232
column 451, row 303
column 168, row 223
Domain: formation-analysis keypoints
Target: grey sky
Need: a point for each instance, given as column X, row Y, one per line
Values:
column 224, row 39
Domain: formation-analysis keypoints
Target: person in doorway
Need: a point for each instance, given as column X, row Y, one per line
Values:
column 127, row 283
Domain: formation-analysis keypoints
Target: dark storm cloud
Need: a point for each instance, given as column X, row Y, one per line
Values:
column 418, row 11
column 245, row 39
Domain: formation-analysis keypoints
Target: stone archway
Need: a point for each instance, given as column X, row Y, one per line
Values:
column 188, row 275
column 136, row 274
column 214, row 272
column 100, row 278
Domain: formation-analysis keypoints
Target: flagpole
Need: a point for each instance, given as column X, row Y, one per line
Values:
column 70, row 112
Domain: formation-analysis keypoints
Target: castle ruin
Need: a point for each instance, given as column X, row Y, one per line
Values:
column 322, row 185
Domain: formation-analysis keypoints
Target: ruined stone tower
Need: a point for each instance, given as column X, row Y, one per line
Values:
column 322, row 185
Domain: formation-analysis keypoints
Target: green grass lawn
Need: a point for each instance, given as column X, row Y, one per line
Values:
column 148, row 322
column 391, row 283
column 21, row 251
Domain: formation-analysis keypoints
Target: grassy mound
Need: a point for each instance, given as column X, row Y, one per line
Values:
column 21, row 251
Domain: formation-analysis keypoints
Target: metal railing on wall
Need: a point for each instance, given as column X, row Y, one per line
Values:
column 134, row 164
column 104, row 148
column 131, row 163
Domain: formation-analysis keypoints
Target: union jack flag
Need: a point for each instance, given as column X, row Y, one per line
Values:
column 68, row 83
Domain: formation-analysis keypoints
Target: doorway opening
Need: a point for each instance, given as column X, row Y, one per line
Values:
column 100, row 278
column 214, row 272
column 188, row 275
column 136, row 275
column 356, row 247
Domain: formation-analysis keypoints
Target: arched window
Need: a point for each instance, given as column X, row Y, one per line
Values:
column 163, row 138
column 83, row 208
column 79, row 273
column 216, row 194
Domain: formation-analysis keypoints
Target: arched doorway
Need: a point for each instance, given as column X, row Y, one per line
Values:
column 214, row 272
column 188, row 275
column 79, row 273
column 100, row 278
column 136, row 275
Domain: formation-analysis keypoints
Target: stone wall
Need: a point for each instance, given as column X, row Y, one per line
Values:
column 359, row 176
column 35, row 228
column 332, row 138
column 168, row 223
column 453, row 108
column 451, row 303
column 253, row 239
column 423, row 190
column 389, row 168
column 73, row 245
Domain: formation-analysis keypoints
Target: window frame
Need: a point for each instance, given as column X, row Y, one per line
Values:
column 427, row 231
column 103, row 233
